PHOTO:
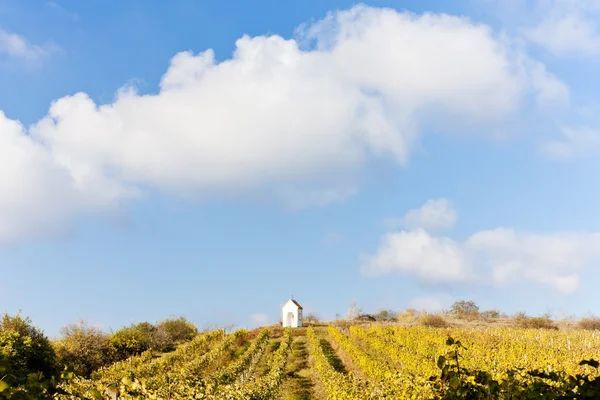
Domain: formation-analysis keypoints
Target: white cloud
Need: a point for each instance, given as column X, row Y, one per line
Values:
column 433, row 259
column 15, row 47
column 568, row 27
column 298, row 124
column 552, row 259
column 500, row 256
column 574, row 142
column 260, row 319
column 433, row 215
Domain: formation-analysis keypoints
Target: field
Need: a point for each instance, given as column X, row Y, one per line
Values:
column 357, row 362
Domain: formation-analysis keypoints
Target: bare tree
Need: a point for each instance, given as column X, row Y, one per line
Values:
column 354, row 311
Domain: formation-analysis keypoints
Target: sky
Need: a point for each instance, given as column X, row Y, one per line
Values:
column 213, row 159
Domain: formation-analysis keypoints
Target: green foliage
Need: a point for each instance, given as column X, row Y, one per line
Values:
column 27, row 360
column 456, row 382
column 83, row 349
column 132, row 340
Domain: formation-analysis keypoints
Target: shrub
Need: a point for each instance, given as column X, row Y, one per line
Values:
column 27, row 361
column 433, row 321
column 132, row 340
column 365, row 318
column 177, row 329
column 490, row 314
column 82, row 348
column 526, row 322
column 410, row 315
column 465, row 309
column 24, row 349
column 385, row 315
column 591, row 323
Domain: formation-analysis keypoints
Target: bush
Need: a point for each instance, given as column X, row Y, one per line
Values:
column 132, row 340
column 410, row 315
column 25, row 350
column 177, row 330
column 366, row 318
column 526, row 322
column 592, row 323
column 433, row 321
column 385, row 315
column 27, row 361
column 490, row 314
column 82, row 348
column 465, row 309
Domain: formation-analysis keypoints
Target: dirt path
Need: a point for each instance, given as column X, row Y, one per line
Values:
column 298, row 384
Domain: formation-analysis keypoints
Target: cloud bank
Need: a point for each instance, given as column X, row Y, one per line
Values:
column 490, row 257
column 279, row 118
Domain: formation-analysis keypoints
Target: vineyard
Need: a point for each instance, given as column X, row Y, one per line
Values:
column 357, row 362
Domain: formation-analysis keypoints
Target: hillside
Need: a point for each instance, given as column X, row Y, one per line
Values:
column 354, row 362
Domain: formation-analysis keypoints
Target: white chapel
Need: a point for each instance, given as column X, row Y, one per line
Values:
column 291, row 314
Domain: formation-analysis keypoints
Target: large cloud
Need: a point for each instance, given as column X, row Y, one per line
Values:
column 499, row 256
column 295, row 122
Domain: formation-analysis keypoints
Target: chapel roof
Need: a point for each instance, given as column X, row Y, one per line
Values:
column 296, row 303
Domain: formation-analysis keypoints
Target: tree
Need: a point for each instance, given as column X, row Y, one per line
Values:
column 465, row 309
column 354, row 311
column 82, row 348
column 312, row 318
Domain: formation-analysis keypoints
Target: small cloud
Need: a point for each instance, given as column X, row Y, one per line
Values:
column 260, row 320
column 574, row 142
column 434, row 215
column 16, row 48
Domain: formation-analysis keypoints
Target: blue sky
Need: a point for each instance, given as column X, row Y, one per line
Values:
column 210, row 159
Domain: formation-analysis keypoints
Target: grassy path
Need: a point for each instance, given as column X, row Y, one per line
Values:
column 298, row 384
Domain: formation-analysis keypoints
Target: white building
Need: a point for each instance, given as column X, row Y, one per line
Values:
column 291, row 314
